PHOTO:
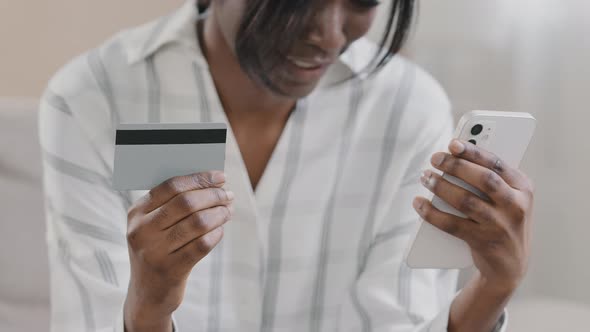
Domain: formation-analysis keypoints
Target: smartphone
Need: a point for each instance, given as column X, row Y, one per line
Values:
column 507, row 135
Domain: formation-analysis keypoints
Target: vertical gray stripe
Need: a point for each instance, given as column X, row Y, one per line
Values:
column 153, row 87
column 213, row 323
column 204, row 102
column 316, row 310
column 84, row 295
column 101, row 265
column 106, row 266
column 387, row 152
column 405, row 273
column 100, row 75
column 111, row 267
column 58, row 102
column 388, row 147
column 261, row 269
column 273, row 264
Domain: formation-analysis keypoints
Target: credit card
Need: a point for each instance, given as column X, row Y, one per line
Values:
column 149, row 154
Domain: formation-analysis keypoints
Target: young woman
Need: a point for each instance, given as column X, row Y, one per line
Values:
column 329, row 135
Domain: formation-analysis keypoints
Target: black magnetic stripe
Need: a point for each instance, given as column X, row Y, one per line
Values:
column 170, row 136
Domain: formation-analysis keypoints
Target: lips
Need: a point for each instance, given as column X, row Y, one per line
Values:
column 308, row 63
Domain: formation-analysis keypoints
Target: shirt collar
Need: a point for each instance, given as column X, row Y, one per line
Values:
column 179, row 27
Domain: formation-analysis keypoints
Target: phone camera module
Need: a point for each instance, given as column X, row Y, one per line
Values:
column 472, row 141
column 476, row 130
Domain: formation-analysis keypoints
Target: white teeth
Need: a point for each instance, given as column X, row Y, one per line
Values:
column 304, row 64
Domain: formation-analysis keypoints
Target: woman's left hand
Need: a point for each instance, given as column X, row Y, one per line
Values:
column 497, row 230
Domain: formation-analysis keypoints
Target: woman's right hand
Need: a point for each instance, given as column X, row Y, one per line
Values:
column 170, row 230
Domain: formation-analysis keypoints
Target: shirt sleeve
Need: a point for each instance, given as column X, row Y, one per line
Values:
column 388, row 295
column 86, row 222
column 86, row 219
column 120, row 324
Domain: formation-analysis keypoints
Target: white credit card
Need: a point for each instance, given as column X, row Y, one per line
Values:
column 149, row 154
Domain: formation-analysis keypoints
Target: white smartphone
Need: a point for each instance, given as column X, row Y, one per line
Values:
column 507, row 135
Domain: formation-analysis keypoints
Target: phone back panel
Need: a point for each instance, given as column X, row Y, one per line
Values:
column 506, row 134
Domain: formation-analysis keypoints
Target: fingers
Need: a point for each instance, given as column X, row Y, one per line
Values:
column 461, row 228
column 187, row 203
column 177, row 185
column 461, row 199
column 477, row 155
column 480, row 177
column 192, row 252
column 197, row 225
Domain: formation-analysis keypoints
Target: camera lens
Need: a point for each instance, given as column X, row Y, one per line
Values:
column 476, row 130
column 472, row 141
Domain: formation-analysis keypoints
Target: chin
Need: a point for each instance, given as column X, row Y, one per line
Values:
column 295, row 91
column 285, row 87
column 287, row 81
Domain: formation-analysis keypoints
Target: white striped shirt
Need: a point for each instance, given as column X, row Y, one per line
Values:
column 318, row 246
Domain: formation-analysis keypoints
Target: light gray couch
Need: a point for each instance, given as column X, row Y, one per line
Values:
column 24, row 295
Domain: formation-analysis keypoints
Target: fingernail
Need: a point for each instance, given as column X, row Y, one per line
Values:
column 230, row 195
column 417, row 203
column 457, row 147
column 218, row 177
column 438, row 158
column 427, row 179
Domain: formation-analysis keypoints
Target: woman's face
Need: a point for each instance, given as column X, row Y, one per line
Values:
column 333, row 26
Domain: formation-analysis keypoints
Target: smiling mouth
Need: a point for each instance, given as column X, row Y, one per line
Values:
column 307, row 64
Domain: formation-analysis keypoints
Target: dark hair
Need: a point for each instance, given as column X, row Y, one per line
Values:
column 263, row 35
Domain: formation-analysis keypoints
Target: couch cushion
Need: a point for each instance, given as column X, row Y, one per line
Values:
column 24, row 280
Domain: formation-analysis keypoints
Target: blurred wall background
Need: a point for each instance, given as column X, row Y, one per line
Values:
column 513, row 55
column 38, row 37
column 530, row 56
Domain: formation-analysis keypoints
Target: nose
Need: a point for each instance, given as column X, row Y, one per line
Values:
column 327, row 28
